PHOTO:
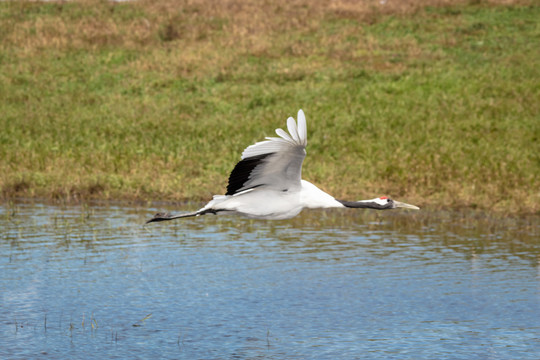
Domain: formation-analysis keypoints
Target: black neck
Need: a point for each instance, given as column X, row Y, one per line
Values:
column 365, row 205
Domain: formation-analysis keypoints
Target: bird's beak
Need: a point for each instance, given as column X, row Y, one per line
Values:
column 406, row 206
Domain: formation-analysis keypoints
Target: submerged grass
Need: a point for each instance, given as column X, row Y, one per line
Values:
column 435, row 105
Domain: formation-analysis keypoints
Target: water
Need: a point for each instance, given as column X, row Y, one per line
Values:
column 92, row 282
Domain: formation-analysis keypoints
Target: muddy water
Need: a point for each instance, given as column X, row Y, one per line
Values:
column 93, row 282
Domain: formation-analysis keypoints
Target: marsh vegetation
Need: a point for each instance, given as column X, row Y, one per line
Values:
column 432, row 102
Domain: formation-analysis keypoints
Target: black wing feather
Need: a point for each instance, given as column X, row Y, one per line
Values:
column 242, row 171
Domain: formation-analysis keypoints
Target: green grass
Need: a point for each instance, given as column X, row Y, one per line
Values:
column 437, row 106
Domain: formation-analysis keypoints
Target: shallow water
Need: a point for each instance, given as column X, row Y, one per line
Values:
column 93, row 282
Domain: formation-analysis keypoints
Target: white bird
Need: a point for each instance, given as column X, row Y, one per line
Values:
column 267, row 183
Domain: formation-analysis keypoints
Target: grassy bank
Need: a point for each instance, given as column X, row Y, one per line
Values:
column 434, row 105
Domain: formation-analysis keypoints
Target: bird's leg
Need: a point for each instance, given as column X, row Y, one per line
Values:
column 160, row 217
column 168, row 216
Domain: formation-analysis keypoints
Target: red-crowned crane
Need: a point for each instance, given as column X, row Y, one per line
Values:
column 267, row 183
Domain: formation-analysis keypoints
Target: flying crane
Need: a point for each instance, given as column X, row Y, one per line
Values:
column 267, row 183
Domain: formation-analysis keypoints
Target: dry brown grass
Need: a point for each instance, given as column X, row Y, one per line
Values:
column 244, row 24
column 209, row 35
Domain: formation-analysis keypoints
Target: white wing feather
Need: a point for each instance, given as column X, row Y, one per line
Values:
column 302, row 127
column 283, row 134
column 298, row 136
column 264, row 147
column 291, row 125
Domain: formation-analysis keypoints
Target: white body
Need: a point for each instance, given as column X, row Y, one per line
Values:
column 273, row 204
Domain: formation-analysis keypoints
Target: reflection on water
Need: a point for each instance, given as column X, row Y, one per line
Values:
column 342, row 284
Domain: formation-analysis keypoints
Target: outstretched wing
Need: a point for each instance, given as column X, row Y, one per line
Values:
column 275, row 163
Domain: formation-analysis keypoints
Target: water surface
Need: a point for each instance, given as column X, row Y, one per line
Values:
column 93, row 282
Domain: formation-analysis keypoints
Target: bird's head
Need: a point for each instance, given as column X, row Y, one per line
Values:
column 387, row 203
column 380, row 203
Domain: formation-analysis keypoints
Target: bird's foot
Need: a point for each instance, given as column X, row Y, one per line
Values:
column 160, row 217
